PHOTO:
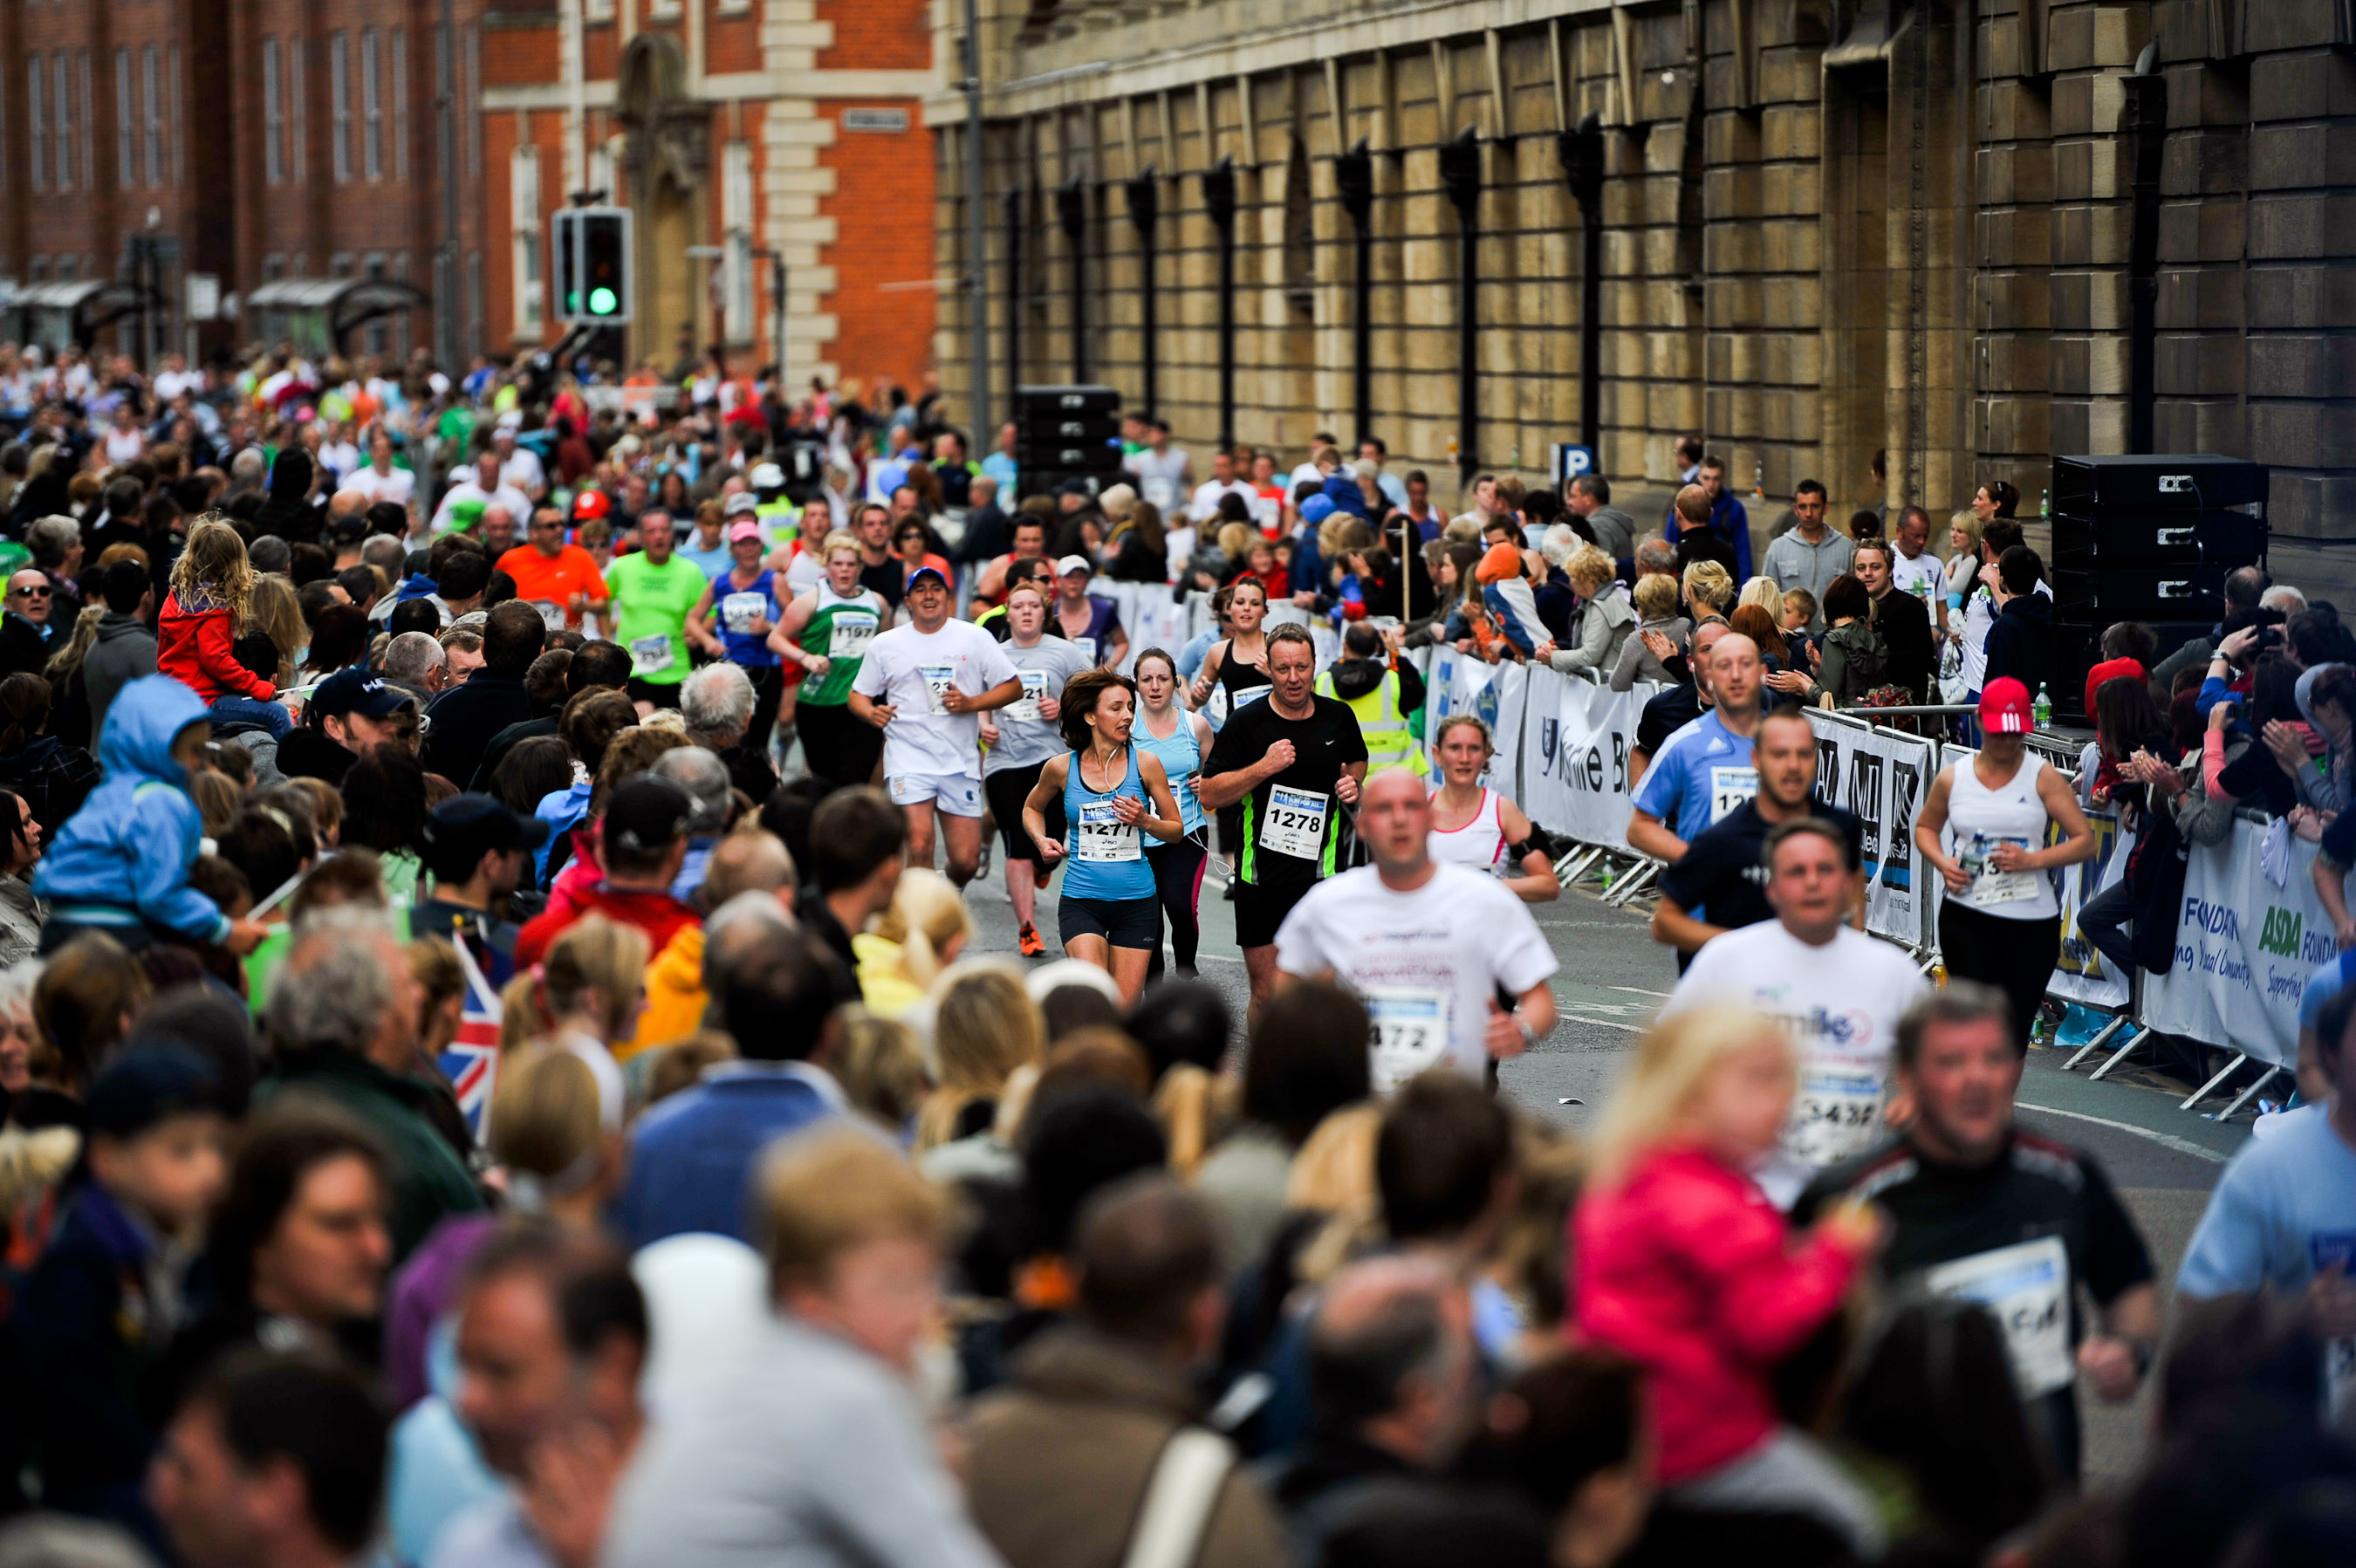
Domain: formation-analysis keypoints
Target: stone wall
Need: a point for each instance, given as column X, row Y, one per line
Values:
column 1830, row 229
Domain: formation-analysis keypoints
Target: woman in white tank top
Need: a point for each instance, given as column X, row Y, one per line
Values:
column 1475, row 827
column 1985, row 827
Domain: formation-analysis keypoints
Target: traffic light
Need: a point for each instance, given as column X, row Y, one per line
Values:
column 592, row 246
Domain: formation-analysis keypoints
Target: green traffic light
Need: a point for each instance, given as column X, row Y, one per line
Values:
column 603, row 302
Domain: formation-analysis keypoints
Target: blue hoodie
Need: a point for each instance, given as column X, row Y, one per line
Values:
column 123, row 858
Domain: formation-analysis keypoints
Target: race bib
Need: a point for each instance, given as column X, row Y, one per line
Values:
column 552, row 614
column 1162, row 493
column 1835, row 1114
column 1024, row 709
column 1087, row 647
column 1249, row 695
column 1411, row 1033
column 1729, row 787
column 851, row 632
column 941, row 680
column 650, row 655
column 1100, row 835
column 2026, row 1288
column 1293, row 823
column 1991, row 886
column 739, row 611
column 2336, row 1250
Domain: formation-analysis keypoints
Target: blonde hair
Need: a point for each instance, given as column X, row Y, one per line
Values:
column 1589, row 568
column 68, row 659
column 1969, row 521
column 835, row 1188
column 593, row 954
column 881, row 1067
column 1709, row 584
column 212, row 572
column 985, row 1026
column 679, row 1065
column 1660, row 1080
column 278, row 614
column 1334, row 1175
column 1764, row 591
column 1193, row 1106
column 841, row 539
column 1656, row 595
column 927, row 913
column 545, row 1119
column 1235, row 540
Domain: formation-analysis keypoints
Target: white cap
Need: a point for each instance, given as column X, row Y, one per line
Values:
column 1071, row 563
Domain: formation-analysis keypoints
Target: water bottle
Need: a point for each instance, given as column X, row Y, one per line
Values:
column 2045, row 505
column 2041, row 712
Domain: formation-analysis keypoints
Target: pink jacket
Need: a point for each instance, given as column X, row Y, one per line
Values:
column 1687, row 1268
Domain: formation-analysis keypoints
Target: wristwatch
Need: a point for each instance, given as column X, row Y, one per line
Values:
column 1529, row 1035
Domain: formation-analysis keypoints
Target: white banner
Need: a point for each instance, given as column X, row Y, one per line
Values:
column 1884, row 777
column 1496, row 694
column 2081, row 974
column 2244, row 948
column 1575, row 744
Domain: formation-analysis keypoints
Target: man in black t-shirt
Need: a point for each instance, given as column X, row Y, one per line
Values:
column 879, row 569
column 1987, row 1213
column 1720, row 882
column 1294, row 761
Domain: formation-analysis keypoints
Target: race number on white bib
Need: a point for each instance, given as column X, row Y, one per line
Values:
column 1729, row 787
column 1251, row 694
column 851, row 632
column 1293, row 823
column 1835, row 1114
column 552, row 614
column 1024, row 709
column 1991, row 886
column 2027, row 1289
column 1086, row 645
column 941, row 680
column 1103, row 836
column 739, row 611
column 650, row 655
column 1411, row 1033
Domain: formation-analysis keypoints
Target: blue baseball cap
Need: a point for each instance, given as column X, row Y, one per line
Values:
column 1316, row 509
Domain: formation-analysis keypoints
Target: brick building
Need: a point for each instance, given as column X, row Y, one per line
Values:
column 1825, row 228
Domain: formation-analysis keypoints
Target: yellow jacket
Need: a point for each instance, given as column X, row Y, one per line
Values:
column 675, row 996
column 888, row 991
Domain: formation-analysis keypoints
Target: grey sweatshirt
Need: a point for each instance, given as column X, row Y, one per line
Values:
column 124, row 652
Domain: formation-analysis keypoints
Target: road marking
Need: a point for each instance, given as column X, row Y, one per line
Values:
column 1578, row 1017
column 2167, row 1140
column 1639, row 990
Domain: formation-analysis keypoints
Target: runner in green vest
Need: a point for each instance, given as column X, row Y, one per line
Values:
column 825, row 633
column 1381, row 697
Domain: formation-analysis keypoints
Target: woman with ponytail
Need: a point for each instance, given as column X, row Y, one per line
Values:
column 909, row 944
column 582, row 996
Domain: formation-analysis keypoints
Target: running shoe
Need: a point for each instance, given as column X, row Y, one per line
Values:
column 1031, row 945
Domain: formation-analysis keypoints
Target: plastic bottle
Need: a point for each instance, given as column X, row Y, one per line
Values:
column 2041, row 712
column 2045, row 505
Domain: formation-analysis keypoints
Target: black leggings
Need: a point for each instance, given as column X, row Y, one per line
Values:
column 837, row 745
column 1178, row 883
column 2014, row 956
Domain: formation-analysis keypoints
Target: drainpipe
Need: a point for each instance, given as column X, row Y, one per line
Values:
column 1144, row 207
column 1582, row 150
column 1353, row 172
column 1460, row 172
column 2144, row 119
column 1072, row 209
column 1013, row 220
column 1220, row 200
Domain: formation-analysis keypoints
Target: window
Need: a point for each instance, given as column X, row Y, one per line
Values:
column 61, row 77
column 371, row 111
column 339, row 100
column 299, row 119
column 597, row 10
column 69, row 267
column 126, row 169
column 86, row 125
column 37, row 123
column 736, row 226
column 154, row 107
column 470, row 79
column 339, row 265
column 274, row 116
column 378, row 338
column 523, row 217
column 272, row 268
column 399, row 105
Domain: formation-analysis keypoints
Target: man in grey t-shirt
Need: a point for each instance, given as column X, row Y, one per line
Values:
column 1021, row 738
column 1812, row 555
column 1589, row 496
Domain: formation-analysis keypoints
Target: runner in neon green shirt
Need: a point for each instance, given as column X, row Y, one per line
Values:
column 653, row 591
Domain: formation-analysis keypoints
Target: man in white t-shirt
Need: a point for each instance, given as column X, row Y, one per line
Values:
column 376, row 478
column 1160, row 468
column 176, row 377
column 1838, row 992
column 1223, row 481
column 935, row 677
column 519, row 466
column 483, row 485
column 1913, row 565
column 1426, row 945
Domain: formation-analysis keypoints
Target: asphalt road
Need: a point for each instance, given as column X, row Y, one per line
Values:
column 2163, row 1160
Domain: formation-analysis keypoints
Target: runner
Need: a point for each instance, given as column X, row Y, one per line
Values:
column 1290, row 761
column 1718, row 884
column 1477, row 828
column 1703, row 771
column 826, row 633
column 1987, row 1213
column 937, row 675
column 1427, row 945
column 1381, row 697
column 1235, row 671
column 653, row 590
column 1838, row 992
column 1032, row 569
column 1110, row 790
column 1982, row 827
column 1022, row 739
column 1092, row 624
column 747, row 610
column 1030, row 537
column 1182, row 740
column 559, row 580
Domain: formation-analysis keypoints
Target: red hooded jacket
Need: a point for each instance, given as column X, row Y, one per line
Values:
column 193, row 647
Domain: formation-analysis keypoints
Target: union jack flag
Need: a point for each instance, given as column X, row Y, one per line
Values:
column 471, row 1061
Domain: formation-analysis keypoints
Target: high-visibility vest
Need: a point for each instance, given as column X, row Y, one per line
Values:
column 1390, row 744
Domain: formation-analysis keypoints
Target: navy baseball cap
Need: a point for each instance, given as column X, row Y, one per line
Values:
column 470, row 825
column 932, row 571
column 353, row 690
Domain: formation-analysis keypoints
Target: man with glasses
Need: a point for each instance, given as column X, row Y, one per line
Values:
column 24, row 628
column 559, row 580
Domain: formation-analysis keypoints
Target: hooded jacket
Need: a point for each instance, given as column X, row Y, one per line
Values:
column 126, row 651
column 2020, row 643
column 195, row 646
column 125, row 856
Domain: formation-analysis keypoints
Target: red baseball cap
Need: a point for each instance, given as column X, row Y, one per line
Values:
column 2004, row 707
column 2110, row 669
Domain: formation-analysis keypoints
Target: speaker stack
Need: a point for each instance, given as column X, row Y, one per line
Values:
column 2148, row 539
column 1066, row 433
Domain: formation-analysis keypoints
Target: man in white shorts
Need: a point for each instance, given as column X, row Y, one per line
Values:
column 934, row 677
column 1427, row 945
column 1836, row 990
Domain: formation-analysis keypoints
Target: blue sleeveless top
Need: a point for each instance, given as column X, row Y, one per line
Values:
column 1104, row 857
column 1181, row 758
column 737, row 607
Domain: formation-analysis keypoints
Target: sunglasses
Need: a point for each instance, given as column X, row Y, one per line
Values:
column 30, row 593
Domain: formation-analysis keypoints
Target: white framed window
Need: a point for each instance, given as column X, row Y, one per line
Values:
column 273, row 115
column 372, row 110
column 61, row 77
column 69, row 268
column 126, row 146
column 523, row 217
column 298, row 117
column 339, row 105
column 36, row 124
column 400, row 104
column 736, row 226
column 597, row 10
column 152, row 104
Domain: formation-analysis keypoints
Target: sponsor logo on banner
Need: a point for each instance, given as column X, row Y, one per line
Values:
column 2080, row 973
column 1883, row 777
column 2244, row 948
column 1575, row 770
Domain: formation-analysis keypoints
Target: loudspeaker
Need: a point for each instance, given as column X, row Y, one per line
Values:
column 2157, row 538
column 2196, row 481
column 2107, row 593
column 1066, row 432
column 1065, row 402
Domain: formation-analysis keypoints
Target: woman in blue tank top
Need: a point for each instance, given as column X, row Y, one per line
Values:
column 1113, row 794
column 732, row 620
column 1179, row 740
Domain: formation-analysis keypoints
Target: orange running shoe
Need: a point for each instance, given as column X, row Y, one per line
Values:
column 1031, row 945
